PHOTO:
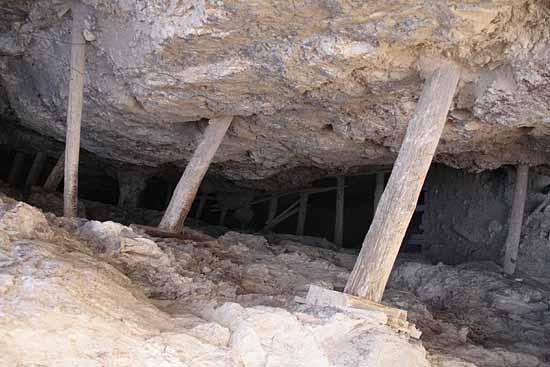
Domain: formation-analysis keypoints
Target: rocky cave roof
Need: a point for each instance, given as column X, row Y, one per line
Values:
column 320, row 86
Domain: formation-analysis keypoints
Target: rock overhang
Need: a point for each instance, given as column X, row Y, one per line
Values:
column 327, row 86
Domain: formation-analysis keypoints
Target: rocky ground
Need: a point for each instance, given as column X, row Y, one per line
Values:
column 92, row 293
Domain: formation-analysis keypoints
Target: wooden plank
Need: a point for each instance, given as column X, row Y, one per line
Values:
column 188, row 235
column 326, row 297
column 516, row 219
column 383, row 240
column 311, row 191
column 302, row 212
column 16, row 167
column 394, row 317
column 196, row 169
column 74, row 112
column 339, row 217
column 56, row 175
column 36, row 169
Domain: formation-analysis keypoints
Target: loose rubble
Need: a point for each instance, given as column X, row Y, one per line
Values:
column 103, row 294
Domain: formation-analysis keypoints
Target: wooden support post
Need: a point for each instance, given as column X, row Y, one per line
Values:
column 378, row 190
column 36, row 169
column 339, row 219
column 16, row 167
column 516, row 219
column 302, row 212
column 74, row 112
column 202, row 204
column 190, row 181
column 383, row 240
column 56, row 175
column 272, row 211
column 223, row 214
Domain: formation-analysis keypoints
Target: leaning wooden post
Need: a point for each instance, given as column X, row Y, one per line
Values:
column 74, row 112
column 379, row 189
column 56, row 175
column 516, row 219
column 302, row 212
column 397, row 204
column 16, row 167
column 36, row 169
column 339, row 218
column 190, row 181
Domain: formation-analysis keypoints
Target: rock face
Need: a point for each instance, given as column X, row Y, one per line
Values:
column 327, row 86
column 120, row 298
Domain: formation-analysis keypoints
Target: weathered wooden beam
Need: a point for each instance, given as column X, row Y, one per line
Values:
column 190, row 181
column 516, row 219
column 16, row 167
column 339, row 217
column 383, row 240
column 379, row 189
column 272, row 211
column 74, row 111
column 56, row 175
column 36, row 169
column 311, row 191
column 302, row 212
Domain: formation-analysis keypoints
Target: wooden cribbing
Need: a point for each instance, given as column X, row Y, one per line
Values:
column 397, row 204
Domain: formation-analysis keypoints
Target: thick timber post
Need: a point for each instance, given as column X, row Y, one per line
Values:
column 397, row 204
column 56, row 175
column 516, row 220
column 36, row 169
column 16, row 167
column 378, row 190
column 190, row 181
column 74, row 112
column 302, row 212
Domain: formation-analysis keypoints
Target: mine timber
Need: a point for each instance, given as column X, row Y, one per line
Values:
column 397, row 204
column 190, row 181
